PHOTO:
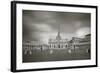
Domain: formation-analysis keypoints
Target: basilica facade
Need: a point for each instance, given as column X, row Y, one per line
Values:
column 58, row 43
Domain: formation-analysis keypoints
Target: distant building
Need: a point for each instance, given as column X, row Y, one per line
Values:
column 73, row 43
column 80, row 43
column 28, row 47
column 85, row 43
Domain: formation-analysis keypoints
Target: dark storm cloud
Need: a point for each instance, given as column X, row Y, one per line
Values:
column 36, row 24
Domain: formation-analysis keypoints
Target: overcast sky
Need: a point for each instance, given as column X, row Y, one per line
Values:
column 43, row 25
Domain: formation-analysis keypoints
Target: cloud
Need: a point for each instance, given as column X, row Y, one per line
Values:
column 43, row 27
column 83, row 31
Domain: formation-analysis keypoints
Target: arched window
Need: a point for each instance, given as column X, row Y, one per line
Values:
column 54, row 45
column 74, row 46
column 66, row 46
column 58, row 46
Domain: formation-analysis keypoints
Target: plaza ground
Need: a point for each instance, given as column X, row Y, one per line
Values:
column 55, row 55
